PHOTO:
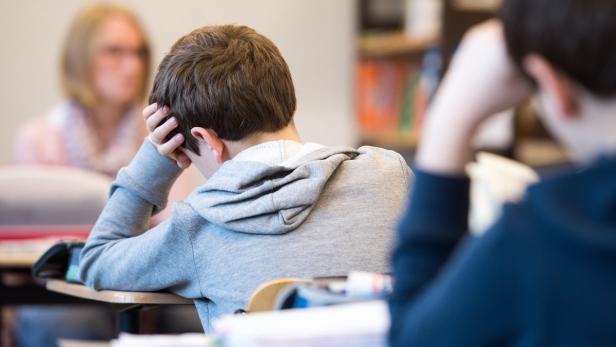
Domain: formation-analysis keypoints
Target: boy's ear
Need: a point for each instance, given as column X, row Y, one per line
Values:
column 554, row 83
column 209, row 140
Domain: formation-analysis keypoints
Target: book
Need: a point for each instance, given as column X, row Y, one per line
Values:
column 382, row 92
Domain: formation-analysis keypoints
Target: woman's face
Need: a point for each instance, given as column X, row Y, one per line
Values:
column 118, row 68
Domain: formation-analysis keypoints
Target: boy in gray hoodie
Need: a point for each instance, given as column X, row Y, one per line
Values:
column 223, row 100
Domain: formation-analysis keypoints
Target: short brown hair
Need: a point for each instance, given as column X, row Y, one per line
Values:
column 78, row 52
column 227, row 78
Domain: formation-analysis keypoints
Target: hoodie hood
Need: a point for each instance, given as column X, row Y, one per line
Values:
column 258, row 198
column 580, row 202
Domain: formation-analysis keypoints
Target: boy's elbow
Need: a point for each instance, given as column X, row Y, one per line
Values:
column 88, row 273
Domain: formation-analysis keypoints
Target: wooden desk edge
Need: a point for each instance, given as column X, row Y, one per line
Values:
column 17, row 261
column 115, row 297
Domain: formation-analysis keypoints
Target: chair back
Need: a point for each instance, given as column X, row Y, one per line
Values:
column 51, row 195
column 264, row 297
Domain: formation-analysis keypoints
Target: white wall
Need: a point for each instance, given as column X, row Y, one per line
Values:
column 316, row 38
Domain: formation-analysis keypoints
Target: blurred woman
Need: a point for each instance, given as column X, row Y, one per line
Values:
column 105, row 66
column 104, row 72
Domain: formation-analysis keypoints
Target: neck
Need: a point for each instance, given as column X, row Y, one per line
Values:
column 287, row 133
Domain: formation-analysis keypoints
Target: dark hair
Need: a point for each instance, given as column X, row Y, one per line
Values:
column 226, row 78
column 577, row 36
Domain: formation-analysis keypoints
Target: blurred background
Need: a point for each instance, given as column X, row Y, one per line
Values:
column 316, row 37
column 364, row 70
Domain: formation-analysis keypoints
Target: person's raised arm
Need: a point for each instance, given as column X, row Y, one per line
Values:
column 481, row 81
column 121, row 253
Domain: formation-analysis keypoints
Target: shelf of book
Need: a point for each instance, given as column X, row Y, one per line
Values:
column 476, row 5
column 392, row 96
column 383, row 45
column 393, row 139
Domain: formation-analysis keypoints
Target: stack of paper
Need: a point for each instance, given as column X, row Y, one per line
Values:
column 184, row 340
column 495, row 181
column 351, row 325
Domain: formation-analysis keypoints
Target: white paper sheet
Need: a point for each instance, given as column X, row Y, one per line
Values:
column 358, row 324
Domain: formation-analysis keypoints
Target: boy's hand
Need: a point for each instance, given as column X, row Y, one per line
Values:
column 158, row 132
column 481, row 81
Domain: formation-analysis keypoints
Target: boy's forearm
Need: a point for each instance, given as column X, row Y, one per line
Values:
column 139, row 190
column 149, row 176
column 116, row 258
column 125, row 216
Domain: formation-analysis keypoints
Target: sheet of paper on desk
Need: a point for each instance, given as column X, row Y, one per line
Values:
column 183, row 340
column 358, row 324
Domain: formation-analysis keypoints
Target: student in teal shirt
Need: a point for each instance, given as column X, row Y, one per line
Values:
column 545, row 273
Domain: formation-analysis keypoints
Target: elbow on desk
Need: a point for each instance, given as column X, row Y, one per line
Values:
column 89, row 269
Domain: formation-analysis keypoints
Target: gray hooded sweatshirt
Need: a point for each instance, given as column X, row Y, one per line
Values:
column 324, row 213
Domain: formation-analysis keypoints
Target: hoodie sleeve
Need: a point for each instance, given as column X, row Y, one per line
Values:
column 120, row 254
column 447, row 285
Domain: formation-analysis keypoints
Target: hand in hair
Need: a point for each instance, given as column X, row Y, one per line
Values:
column 481, row 81
column 160, row 125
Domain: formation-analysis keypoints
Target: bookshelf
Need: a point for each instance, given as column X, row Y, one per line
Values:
column 391, row 139
column 387, row 75
column 385, row 51
column 394, row 44
column 390, row 109
column 400, row 129
column 476, row 5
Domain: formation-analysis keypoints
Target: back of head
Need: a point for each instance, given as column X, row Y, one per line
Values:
column 576, row 36
column 226, row 78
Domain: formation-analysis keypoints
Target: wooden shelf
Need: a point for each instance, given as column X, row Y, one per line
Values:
column 538, row 152
column 392, row 44
column 390, row 139
column 476, row 5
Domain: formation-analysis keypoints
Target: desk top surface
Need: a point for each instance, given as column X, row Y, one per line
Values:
column 116, row 297
column 22, row 254
column 18, row 260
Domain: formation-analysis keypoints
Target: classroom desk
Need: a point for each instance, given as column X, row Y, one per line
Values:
column 128, row 305
column 17, row 286
column 20, row 248
column 16, row 260
column 116, row 297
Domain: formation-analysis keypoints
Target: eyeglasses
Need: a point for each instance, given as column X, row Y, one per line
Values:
column 117, row 53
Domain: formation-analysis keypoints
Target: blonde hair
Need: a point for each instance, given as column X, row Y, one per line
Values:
column 78, row 52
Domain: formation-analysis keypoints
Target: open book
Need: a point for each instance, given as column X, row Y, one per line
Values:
column 495, row 180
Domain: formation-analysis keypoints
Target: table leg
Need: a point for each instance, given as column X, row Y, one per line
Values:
column 2, row 331
column 127, row 319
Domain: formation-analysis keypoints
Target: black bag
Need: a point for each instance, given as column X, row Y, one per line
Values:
column 60, row 261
